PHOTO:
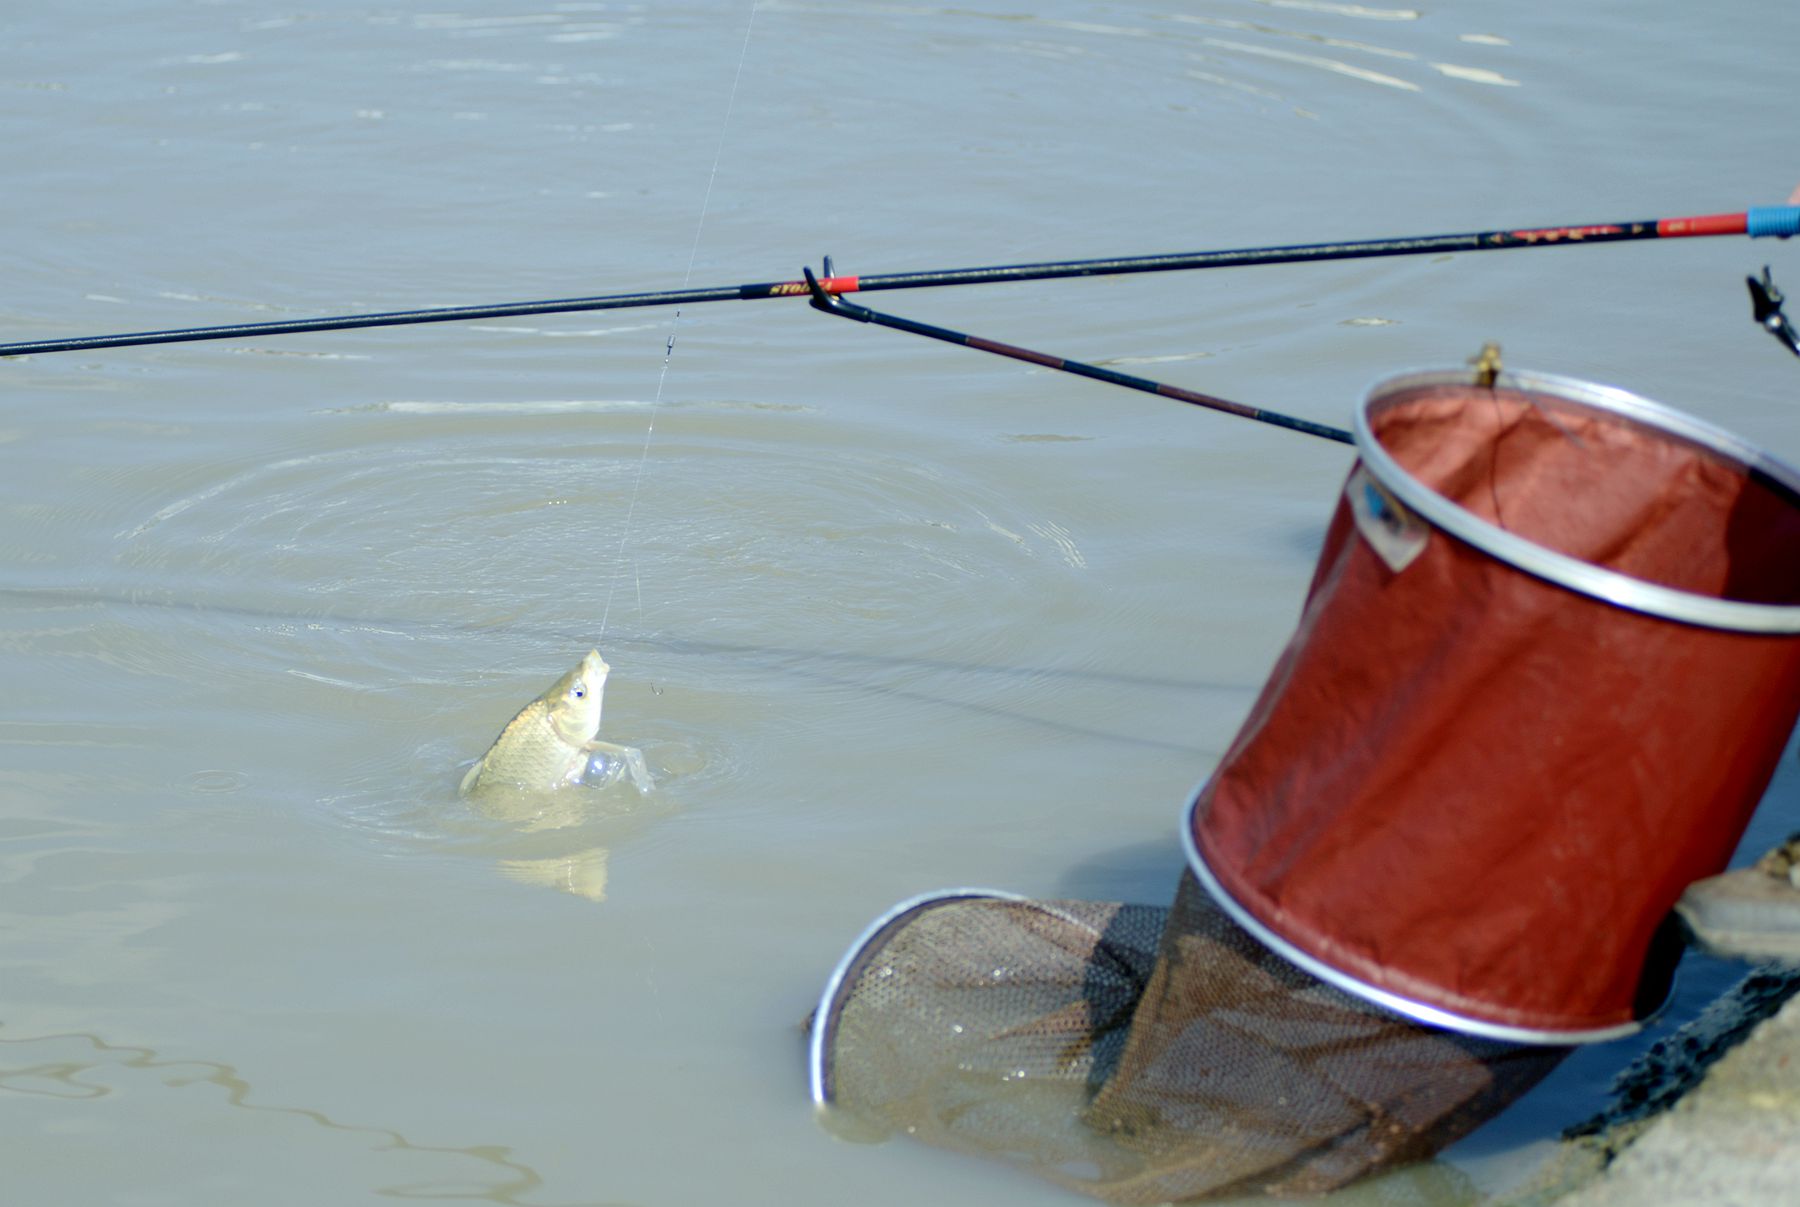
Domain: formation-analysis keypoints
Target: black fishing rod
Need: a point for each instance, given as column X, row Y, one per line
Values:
column 823, row 299
column 1778, row 221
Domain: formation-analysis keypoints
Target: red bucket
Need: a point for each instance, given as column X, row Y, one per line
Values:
column 1546, row 666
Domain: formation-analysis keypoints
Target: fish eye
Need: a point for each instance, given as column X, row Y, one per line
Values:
column 579, row 691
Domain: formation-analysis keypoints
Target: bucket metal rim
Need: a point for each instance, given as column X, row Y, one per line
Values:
column 1420, row 1012
column 1577, row 575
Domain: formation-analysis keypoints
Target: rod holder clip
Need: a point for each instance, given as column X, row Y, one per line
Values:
column 1765, row 307
column 831, row 303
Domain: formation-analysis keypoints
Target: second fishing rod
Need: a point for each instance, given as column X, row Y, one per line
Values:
column 823, row 299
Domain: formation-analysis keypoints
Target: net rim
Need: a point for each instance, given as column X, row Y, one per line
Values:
column 825, row 1015
column 1585, row 578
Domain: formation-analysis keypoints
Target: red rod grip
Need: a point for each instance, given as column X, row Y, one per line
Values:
column 801, row 288
column 1706, row 224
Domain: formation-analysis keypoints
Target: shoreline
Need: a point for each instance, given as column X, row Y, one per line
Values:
column 1710, row 1115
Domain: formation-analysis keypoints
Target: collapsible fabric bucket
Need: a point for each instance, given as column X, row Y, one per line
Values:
column 1545, row 670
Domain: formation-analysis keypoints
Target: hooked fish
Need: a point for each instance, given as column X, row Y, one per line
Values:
column 552, row 741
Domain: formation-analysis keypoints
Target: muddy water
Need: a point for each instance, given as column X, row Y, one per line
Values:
column 884, row 616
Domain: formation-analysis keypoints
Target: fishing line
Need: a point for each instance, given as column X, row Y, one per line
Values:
column 674, row 327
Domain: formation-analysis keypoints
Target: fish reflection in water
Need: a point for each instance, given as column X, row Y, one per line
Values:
column 529, row 775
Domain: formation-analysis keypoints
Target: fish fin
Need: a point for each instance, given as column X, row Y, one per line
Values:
column 468, row 781
column 632, row 757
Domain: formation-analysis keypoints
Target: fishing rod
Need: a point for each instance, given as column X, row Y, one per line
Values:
column 823, row 299
column 1778, row 221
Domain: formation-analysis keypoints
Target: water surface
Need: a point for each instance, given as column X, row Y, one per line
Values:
column 885, row 616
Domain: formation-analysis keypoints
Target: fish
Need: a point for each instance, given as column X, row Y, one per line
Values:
column 553, row 741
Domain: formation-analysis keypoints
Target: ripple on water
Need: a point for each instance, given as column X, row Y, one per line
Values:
column 758, row 526
column 425, row 569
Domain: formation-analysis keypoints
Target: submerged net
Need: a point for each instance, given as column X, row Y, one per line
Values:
column 1144, row 1055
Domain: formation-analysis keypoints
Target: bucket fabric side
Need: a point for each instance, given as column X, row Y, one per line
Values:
column 1474, row 791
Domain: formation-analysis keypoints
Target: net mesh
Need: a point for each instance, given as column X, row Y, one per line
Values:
column 1144, row 1055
